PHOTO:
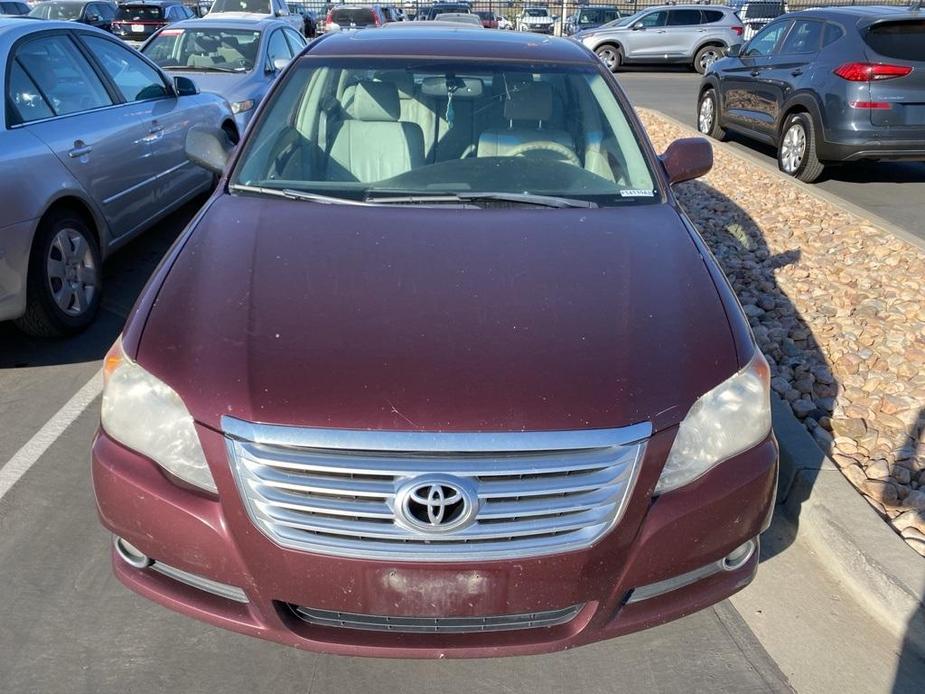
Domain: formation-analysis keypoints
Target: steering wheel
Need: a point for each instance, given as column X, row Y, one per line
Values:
column 546, row 146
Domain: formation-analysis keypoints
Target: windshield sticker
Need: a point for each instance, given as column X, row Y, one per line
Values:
column 631, row 193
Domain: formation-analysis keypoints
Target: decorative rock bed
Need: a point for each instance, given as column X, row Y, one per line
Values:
column 838, row 307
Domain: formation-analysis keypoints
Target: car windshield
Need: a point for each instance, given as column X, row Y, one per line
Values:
column 363, row 129
column 255, row 6
column 139, row 13
column 205, row 49
column 536, row 12
column 57, row 10
column 359, row 16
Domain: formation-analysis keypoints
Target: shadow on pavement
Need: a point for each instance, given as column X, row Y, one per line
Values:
column 124, row 276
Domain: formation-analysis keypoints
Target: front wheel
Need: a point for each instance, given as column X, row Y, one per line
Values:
column 610, row 56
column 796, row 153
column 708, row 116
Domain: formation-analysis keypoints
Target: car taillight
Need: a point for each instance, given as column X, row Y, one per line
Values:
column 871, row 105
column 871, row 72
column 740, row 31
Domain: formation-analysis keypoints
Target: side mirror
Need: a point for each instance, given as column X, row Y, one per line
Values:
column 184, row 86
column 208, row 148
column 638, row 26
column 686, row 159
column 277, row 64
column 734, row 51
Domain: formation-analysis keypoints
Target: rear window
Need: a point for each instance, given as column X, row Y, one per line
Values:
column 902, row 40
column 763, row 10
column 710, row 16
column 360, row 16
column 139, row 13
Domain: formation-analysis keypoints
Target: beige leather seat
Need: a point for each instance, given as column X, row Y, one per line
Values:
column 528, row 106
column 374, row 144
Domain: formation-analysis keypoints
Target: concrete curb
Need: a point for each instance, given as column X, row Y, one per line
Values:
column 851, row 540
column 851, row 208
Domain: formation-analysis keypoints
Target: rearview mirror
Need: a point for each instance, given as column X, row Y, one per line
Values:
column 686, row 159
column 209, row 148
column 734, row 51
column 184, row 86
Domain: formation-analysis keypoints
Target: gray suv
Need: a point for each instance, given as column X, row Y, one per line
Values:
column 694, row 34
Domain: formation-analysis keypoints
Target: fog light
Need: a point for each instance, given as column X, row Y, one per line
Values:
column 739, row 557
column 131, row 555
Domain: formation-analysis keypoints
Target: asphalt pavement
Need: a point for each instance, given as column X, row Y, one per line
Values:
column 66, row 625
column 891, row 190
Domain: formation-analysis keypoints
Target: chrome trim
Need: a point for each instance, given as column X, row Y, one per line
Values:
column 334, row 491
column 435, row 442
column 436, row 625
column 135, row 558
column 652, row 590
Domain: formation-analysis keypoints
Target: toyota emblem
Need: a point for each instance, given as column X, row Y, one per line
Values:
column 436, row 504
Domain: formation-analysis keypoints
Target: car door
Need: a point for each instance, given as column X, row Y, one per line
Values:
column 646, row 36
column 791, row 67
column 743, row 89
column 682, row 32
column 62, row 99
column 152, row 103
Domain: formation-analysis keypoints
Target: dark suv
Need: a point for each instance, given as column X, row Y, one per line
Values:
column 136, row 22
column 825, row 86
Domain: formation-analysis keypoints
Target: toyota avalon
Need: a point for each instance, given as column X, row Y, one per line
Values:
column 441, row 369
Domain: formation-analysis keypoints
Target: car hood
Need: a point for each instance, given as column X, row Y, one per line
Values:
column 411, row 318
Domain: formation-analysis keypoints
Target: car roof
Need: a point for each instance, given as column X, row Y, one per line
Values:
column 12, row 28
column 216, row 22
column 153, row 3
column 864, row 15
column 453, row 41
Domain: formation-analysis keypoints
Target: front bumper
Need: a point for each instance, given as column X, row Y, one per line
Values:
column 677, row 533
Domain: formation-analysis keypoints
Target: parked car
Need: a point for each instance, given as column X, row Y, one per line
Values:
column 825, row 86
column 135, row 22
column 505, row 24
column 489, row 20
column 587, row 18
column 14, row 8
column 392, row 14
column 384, row 365
column 536, row 19
column 429, row 14
column 354, row 17
column 691, row 34
column 309, row 18
column 236, row 59
column 256, row 9
column 470, row 19
column 91, row 154
column 96, row 14
column 756, row 14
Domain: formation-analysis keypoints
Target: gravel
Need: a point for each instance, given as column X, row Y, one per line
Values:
column 837, row 305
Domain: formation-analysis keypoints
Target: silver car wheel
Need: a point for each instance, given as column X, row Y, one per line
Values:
column 72, row 273
column 793, row 148
column 608, row 56
column 707, row 58
column 707, row 112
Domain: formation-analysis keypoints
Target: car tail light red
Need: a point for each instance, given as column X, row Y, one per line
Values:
column 871, row 105
column 871, row 72
column 740, row 31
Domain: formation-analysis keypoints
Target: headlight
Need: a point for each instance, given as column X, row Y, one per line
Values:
column 146, row 415
column 242, row 106
column 731, row 418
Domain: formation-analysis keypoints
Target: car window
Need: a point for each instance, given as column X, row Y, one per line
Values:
column 804, row 37
column 108, row 11
column 204, row 49
column 765, row 40
column 710, row 16
column 360, row 142
column 683, row 18
column 255, row 6
column 137, row 13
column 57, row 10
column 654, row 19
column 902, row 40
column 28, row 101
column 296, row 41
column 832, row 33
column 61, row 75
column 277, row 48
column 133, row 77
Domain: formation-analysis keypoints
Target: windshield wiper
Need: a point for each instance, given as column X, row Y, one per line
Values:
column 291, row 194
column 522, row 198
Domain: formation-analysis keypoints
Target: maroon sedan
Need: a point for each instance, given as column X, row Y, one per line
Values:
column 441, row 369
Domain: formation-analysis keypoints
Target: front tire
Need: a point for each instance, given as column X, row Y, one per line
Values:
column 611, row 56
column 706, row 56
column 64, row 283
column 708, row 115
column 796, row 152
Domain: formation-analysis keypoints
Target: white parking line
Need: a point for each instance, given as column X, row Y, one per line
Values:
column 34, row 448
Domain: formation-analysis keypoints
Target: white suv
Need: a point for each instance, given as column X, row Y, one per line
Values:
column 257, row 9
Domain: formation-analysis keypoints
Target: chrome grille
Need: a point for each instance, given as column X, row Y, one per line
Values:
column 333, row 491
column 440, row 625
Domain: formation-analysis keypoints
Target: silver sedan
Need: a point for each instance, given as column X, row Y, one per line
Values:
column 92, row 152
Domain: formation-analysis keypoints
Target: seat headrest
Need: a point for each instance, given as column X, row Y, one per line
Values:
column 529, row 101
column 402, row 79
column 376, row 101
